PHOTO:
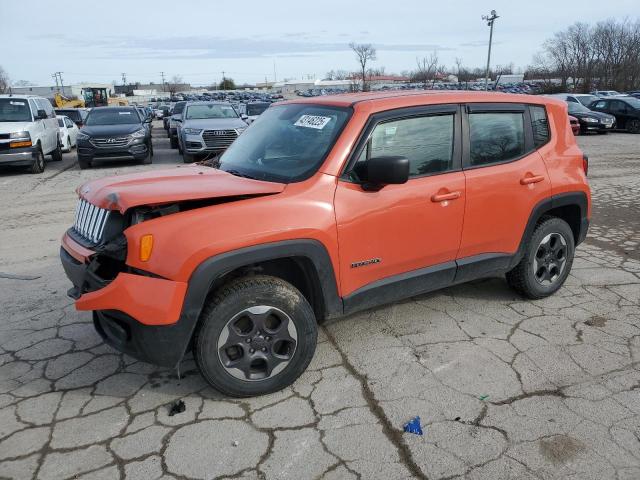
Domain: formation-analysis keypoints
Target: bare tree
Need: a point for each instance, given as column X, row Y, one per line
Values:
column 4, row 81
column 174, row 84
column 365, row 52
column 427, row 69
column 605, row 55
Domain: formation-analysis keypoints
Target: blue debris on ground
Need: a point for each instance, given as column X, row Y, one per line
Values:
column 413, row 426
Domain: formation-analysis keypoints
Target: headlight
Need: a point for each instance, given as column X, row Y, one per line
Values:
column 83, row 136
column 590, row 119
column 143, row 214
column 24, row 135
column 139, row 133
column 192, row 131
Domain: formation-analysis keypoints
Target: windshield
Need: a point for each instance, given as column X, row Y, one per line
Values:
column 179, row 107
column 111, row 116
column 14, row 110
column 634, row 102
column 210, row 110
column 256, row 109
column 586, row 100
column 287, row 143
column 577, row 108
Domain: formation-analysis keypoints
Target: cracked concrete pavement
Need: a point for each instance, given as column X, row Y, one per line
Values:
column 505, row 388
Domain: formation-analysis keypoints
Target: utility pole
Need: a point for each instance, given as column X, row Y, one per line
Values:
column 162, row 74
column 224, row 83
column 55, row 76
column 124, row 78
column 489, row 19
column 61, row 82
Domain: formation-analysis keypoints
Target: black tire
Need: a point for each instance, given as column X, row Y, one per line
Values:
column 38, row 162
column 180, row 152
column 84, row 164
column 230, row 302
column 187, row 158
column 56, row 155
column 525, row 279
column 633, row 126
column 69, row 144
column 173, row 141
column 603, row 132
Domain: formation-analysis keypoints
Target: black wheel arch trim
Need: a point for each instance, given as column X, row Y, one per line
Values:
column 167, row 345
column 546, row 205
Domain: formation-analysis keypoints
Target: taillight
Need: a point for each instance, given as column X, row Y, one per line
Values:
column 585, row 164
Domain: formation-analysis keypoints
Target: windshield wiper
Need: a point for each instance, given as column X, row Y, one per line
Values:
column 240, row 174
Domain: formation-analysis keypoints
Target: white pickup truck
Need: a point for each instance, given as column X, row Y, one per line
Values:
column 28, row 132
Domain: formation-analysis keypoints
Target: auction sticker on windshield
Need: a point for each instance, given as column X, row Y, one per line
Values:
column 313, row 121
column 124, row 113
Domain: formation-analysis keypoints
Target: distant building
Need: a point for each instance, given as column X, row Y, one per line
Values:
column 159, row 89
column 69, row 91
column 515, row 78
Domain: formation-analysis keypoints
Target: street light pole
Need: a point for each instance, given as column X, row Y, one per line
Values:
column 489, row 19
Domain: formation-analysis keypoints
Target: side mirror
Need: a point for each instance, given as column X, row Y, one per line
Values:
column 380, row 171
column 148, row 120
column 41, row 115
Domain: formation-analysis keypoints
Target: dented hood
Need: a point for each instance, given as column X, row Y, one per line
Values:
column 171, row 185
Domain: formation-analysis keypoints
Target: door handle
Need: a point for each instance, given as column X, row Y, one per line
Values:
column 531, row 179
column 443, row 197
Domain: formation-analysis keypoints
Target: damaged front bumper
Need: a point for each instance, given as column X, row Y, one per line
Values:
column 134, row 311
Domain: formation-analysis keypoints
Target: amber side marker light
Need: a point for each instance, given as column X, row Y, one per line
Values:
column 146, row 246
column 26, row 143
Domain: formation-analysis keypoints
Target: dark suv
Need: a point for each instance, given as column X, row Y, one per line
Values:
column 625, row 109
column 114, row 133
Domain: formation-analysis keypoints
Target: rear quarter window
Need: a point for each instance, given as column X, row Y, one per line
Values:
column 540, row 125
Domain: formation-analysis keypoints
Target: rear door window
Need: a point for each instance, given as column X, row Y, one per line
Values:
column 495, row 137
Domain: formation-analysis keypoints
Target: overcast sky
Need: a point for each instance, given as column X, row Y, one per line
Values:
column 97, row 41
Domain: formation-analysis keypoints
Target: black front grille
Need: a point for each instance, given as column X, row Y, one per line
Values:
column 110, row 142
column 219, row 139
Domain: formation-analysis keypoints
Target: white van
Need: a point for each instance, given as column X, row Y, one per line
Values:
column 28, row 132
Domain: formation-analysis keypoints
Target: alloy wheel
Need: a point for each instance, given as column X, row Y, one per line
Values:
column 257, row 343
column 550, row 259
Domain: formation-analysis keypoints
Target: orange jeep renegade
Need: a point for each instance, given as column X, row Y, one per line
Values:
column 322, row 208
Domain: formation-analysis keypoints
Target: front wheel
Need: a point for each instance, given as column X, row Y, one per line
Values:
column 173, row 142
column 547, row 260
column 38, row 162
column 257, row 335
column 634, row 126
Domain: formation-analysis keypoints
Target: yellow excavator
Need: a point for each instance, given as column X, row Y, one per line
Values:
column 91, row 97
column 63, row 102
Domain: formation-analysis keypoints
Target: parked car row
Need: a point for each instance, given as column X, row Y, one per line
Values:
column 600, row 114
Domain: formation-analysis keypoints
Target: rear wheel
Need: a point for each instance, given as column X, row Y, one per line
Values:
column 38, row 162
column 547, row 260
column 257, row 335
column 634, row 126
